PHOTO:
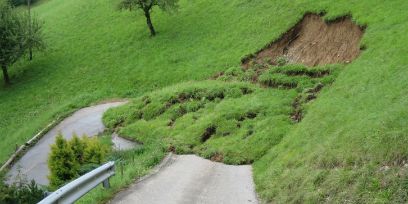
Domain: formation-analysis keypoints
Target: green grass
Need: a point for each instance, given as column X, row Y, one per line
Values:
column 349, row 148
column 130, row 165
column 96, row 52
column 231, row 122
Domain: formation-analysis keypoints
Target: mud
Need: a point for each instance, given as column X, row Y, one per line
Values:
column 313, row 42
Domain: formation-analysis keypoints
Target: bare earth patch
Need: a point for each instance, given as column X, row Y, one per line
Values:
column 313, row 42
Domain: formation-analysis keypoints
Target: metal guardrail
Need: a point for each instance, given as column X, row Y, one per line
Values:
column 74, row 190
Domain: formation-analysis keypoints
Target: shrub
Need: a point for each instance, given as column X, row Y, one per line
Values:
column 22, row 192
column 95, row 152
column 69, row 159
column 62, row 163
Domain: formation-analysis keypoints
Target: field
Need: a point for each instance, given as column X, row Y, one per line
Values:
column 350, row 146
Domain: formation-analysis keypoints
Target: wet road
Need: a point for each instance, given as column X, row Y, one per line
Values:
column 189, row 179
column 85, row 121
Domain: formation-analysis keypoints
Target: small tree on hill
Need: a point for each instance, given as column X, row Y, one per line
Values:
column 146, row 6
column 18, row 34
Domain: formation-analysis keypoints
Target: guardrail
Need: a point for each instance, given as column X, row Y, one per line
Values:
column 74, row 190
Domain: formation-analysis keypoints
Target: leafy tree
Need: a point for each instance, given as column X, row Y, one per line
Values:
column 34, row 34
column 147, row 5
column 21, row 2
column 18, row 34
column 62, row 163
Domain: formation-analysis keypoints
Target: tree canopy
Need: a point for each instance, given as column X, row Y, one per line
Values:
column 19, row 32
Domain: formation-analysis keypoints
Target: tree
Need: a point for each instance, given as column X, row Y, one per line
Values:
column 34, row 35
column 21, row 2
column 30, row 28
column 18, row 34
column 146, row 6
column 62, row 163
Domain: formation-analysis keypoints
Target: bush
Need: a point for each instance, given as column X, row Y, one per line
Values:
column 62, row 163
column 22, row 192
column 69, row 159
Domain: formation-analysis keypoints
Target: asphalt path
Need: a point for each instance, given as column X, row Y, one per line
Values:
column 189, row 179
column 33, row 164
column 179, row 179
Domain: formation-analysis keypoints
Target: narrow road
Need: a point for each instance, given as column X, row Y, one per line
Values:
column 182, row 179
column 33, row 164
column 189, row 179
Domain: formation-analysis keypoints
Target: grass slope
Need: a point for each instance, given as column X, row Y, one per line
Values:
column 350, row 147
column 231, row 122
column 97, row 52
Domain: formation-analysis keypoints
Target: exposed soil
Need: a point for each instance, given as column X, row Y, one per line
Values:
column 217, row 157
column 208, row 133
column 248, row 115
column 298, row 112
column 313, row 42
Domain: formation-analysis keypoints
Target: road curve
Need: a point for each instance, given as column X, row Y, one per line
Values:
column 33, row 163
column 189, row 179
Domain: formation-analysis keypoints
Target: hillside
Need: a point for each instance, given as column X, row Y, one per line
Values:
column 348, row 146
column 97, row 52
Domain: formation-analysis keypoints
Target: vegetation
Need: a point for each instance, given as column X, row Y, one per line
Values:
column 349, row 146
column 130, row 165
column 22, row 2
column 18, row 34
column 69, row 159
column 20, row 192
column 147, row 6
column 231, row 122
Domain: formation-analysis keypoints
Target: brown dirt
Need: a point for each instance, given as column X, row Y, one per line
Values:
column 313, row 42
column 208, row 133
column 217, row 157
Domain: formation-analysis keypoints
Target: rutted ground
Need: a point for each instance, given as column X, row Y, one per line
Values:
column 218, row 120
column 238, row 120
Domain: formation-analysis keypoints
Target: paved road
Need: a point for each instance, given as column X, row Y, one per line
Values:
column 85, row 121
column 188, row 179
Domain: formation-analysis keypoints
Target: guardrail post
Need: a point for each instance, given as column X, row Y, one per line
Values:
column 106, row 183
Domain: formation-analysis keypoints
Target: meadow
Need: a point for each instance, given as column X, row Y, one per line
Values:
column 350, row 146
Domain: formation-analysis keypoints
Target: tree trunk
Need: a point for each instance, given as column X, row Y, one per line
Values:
column 30, row 29
column 5, row 75
column 149, row 23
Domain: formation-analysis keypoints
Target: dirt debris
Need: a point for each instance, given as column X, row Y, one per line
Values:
column 313, row 42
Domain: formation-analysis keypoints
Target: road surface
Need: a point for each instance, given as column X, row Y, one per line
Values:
column 189, row 179
column 33, row 163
